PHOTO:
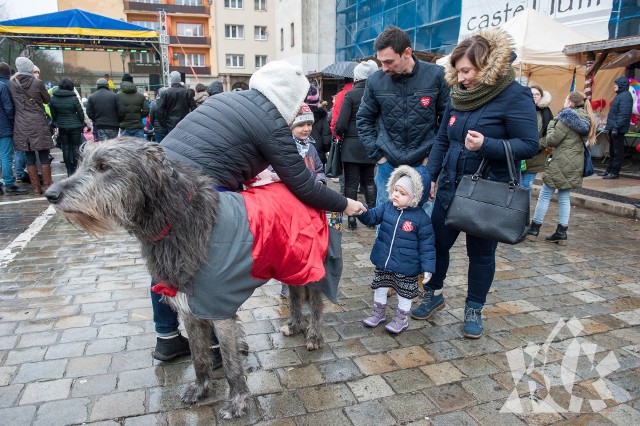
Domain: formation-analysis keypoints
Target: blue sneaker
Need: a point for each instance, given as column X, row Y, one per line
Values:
column 472, row 320
column 430, row 304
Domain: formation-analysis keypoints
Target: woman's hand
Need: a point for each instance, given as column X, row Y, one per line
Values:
column 354, row 208
column 474, row 140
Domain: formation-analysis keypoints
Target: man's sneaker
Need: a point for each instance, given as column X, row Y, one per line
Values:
column 172, row 348
column 430, row 304
column 472, row 320
column 14, row 190
column 399, row 323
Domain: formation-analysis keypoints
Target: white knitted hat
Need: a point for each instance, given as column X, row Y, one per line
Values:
column 363, row 70
column 24, row 64
column 284, row 85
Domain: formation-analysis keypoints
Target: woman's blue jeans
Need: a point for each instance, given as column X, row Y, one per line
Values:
column 481, row 253
column 527, row 181
column 564, row 204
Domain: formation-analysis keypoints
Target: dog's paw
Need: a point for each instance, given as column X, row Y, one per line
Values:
column 314, row 340
column 235, row 407
column 312, row 346
column 194, row 393
column 286, row 330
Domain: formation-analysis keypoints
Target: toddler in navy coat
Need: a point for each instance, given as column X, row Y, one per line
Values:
column 404, row 246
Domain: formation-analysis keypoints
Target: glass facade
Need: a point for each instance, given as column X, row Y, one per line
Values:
column 432, row 25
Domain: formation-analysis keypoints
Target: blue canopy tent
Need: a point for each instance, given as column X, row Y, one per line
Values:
column 76, row 29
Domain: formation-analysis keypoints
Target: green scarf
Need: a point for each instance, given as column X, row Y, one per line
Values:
column 472, row 99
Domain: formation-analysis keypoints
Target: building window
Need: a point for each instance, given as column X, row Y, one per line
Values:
column 260, row 33
column 234, row 31
column 189, row 2
column 261, row 60
column 190, row 30
column 152, row 25
column 148, row 1
column 191, row 59
column 145, row 58
column 293, row 36
column 233, row 4
column 235, row 61
column 281, row 38
column 261, row 4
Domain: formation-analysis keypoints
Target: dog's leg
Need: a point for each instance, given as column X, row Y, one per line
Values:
column 230, row 334
column 314, row 332
column 296, row 299
column 200, row 343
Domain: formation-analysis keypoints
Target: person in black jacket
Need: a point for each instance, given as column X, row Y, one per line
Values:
column 617, row 125
column 106, row 111
column 68, row 116
column 321, row 132
column 401, row 108
column 232, row 138
column 176, row 103
column 358, row 167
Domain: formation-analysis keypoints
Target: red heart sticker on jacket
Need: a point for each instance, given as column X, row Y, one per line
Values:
column 407, row 226
column 452, row 120
column 425, row 101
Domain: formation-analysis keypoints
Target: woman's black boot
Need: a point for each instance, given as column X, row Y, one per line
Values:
column 352, row 222
column 558, row 237
column 534, row 231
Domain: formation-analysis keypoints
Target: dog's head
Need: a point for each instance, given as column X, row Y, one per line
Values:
column 113, row 183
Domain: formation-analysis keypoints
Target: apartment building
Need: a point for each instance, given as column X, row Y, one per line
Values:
column 306, row 32
column 244, row 39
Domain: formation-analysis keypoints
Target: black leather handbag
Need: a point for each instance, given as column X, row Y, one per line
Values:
column 488, row 209
column 334, row 159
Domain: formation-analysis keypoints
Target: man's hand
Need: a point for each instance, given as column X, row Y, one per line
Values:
column 382, row 160
column 432, row 193
column 354, row 208
column 425, row 161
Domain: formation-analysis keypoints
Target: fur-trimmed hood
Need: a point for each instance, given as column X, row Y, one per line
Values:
column 545, row 101
column 416, row 180
column 498, row 62
column 576, row 119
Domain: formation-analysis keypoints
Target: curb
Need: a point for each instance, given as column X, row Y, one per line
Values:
column 598, row 204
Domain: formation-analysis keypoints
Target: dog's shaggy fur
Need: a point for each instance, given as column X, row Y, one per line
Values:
column 131, row 184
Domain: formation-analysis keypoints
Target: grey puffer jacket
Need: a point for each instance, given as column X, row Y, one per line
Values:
column 566, row 135
column 234, row 136
column 398, row 116
column 31, row 129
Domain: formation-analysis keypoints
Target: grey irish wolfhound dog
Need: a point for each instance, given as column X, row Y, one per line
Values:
column 131, row 184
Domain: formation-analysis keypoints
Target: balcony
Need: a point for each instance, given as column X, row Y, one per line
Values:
column 136, row 6
column 196, row 41
column 138, row 68
column 187, row 70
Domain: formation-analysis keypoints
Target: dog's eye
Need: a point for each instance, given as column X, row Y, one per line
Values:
column 103, row 167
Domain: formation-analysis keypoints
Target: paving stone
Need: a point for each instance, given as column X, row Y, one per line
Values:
column 363, row 413
column 375, row 364
column 70, row 411
column 340, row 371
column 409, row 357
column 284, row 404
column 278, row 358
column 443, row 351
column 192, row 416
column 300, row 377
column 37, row 339
column 119, row 330
column 34, row 326
column 17, row 415
column 263, row 382
column 322, row 354
column 409, row 407
column 76, row 321
column 121, row 404
column 21, row 356
column 371, row 387
column 110, row 318
column 326, row 397
column 106, row 346
column 331, row 417
column 44, row 370
column 489, row 414
column 475, row 366
column 65, row 350
column 94, row 385
column 458, row 418
column 130, row 360
column 88, row 365
column 45, row 391
column 9, row 395
column 449, row 397
column 379, row 342
column 78, row 334
column 141, row 378
column 348, row 348
column 407, row 380
column 353, row 330
column 484, row 389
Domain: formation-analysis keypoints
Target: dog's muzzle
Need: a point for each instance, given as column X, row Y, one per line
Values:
column 54, row 194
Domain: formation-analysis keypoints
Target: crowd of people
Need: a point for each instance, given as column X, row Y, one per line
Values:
column 409, row 131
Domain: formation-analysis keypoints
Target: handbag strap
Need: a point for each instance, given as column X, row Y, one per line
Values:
column 510, row 162
column 19, row 86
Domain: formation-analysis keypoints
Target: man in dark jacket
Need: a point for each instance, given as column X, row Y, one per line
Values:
column 232, row 138
column 215, row 87
column 135, row 107
column 106, row 111
column 176, row 103
column 617, row 125
column 401, row 108
column 320, row 133
column 7, row 113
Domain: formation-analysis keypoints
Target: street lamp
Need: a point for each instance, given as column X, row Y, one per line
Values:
column 123, row 55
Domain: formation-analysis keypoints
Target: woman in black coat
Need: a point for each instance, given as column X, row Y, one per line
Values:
column 358, row 167
column 68, row 116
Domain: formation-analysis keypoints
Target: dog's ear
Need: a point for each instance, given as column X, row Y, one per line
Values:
column 154, row 155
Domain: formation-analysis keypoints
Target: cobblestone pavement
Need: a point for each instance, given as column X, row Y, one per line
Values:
column 76, row 337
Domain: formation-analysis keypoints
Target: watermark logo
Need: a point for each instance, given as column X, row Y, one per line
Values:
column 531, row 361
